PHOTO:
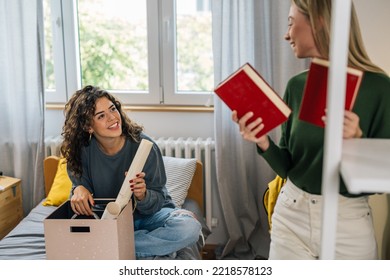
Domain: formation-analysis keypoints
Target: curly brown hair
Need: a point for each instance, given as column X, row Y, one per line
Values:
column 79, row 113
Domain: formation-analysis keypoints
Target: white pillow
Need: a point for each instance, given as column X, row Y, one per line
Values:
column 179, row 173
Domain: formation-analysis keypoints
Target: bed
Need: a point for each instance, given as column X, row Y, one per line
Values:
column 184, row 182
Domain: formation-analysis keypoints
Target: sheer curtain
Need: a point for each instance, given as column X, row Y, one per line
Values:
column 22, row 99
column 247, row 31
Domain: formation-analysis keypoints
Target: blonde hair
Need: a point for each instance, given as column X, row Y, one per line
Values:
column 319, row 13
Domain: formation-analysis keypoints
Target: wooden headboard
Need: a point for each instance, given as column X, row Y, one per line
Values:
column 50, row 165
column 195, row 191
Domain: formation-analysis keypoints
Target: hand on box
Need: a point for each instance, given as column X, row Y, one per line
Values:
column 81, row 201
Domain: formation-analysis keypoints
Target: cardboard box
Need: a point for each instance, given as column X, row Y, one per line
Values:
column 70, row 238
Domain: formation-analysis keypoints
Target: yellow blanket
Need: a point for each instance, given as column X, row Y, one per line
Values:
column 271, row 195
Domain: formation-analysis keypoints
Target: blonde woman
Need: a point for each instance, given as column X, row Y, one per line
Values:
column 296, row 221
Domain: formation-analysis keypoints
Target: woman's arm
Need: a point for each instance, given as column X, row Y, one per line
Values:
column 155, row 180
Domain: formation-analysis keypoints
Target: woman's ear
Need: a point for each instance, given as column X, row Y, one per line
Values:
column 89, row 130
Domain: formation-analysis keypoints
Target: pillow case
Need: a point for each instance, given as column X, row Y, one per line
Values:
column 60, row 189
column 179, row 173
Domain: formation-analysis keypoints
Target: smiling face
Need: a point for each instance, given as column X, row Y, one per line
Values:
column 300, row 34
column 106, row 121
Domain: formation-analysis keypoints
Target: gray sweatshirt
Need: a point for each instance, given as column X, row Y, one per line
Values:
column 103, row 175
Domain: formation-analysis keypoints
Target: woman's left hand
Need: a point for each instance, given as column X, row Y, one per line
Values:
column 138, row 186
column 351, row 128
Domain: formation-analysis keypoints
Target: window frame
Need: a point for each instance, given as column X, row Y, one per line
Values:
column 161, row 26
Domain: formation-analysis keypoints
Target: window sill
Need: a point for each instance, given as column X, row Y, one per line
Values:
column 149, row 108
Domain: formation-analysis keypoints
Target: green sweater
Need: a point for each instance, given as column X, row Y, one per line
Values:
column 299, row 155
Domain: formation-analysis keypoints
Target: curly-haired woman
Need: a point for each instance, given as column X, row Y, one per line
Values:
column 99, row 144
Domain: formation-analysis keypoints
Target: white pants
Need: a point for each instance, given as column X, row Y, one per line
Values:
column 297, row 223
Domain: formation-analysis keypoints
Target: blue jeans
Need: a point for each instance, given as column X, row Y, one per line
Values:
column 165, row 232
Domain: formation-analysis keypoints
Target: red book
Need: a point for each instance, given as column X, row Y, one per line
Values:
column 246, row 91
column 315, row 92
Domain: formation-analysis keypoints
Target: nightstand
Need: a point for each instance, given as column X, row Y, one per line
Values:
column 11, row 209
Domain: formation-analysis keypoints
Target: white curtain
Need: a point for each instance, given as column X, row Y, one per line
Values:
column 22, row 99
column 247, row 31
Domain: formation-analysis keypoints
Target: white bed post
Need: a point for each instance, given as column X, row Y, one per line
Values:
column 341, row 14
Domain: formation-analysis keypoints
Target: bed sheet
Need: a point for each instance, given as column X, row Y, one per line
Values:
column 27, row 240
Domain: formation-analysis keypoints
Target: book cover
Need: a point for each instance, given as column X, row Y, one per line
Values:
column 246, row 91
column 314, row 99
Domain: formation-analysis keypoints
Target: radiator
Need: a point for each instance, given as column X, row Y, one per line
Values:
column 201, row 149
column 52, row 145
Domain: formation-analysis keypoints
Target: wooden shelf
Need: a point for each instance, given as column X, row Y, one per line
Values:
column 365, row 165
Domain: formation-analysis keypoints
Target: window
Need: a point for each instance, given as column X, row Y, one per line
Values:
column 144, row 51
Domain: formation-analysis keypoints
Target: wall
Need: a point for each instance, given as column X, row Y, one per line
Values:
column 157, row 124
column 375, row 23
